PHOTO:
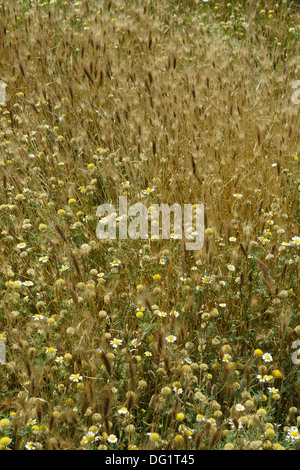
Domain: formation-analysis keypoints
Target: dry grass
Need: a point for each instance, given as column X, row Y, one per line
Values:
column 193, row 100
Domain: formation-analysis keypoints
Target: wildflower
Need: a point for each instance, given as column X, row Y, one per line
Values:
column 31, row 422
column 226, row 358
column 273, row 390
column 162, row 314
column 112, row 438
column 240, row 424
column 229, row 445
column 154, row 436
column 16, row 283
column 90, row 437
column 21, row 245
column 123, row 411
column 200, row 418
column 237, row 195
column 115, row 262
column 180, row 416
column 239, row 407
column 175, row 313
column 135, row 342
column 59, row 359
column 212, row 421
column 296, row 240
column 267, row 357
column 188, row 360
column 206, row 279
column 166, row 391
column 116, row 342
column 38, row 317
column 51, row 351
column 277, row 374
column 263, row 378
column 174, row 236
column 230, row 267
column 64, row 267
column 5, row 441
column 28, row 283
column 258, row 352
column 44, row 259
column 75, row 377
column 4, row 423
column 147, row 191
column 30, row 446
column 35, row 429
column 171, row 338
column 293, row 434
column 15, row 313
column 84, row 246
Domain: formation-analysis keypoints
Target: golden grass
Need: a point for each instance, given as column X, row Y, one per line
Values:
column 192, row 99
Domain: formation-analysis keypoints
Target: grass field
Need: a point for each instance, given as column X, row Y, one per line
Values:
column 140, row 343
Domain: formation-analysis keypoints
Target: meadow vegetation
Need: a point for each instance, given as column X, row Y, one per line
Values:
column 141, row 344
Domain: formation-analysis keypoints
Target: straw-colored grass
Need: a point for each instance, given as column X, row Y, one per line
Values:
column 169, row 348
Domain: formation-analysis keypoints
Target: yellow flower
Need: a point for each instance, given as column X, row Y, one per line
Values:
column 154, row 436
column 270, row 433
column 5, row 441
column 180, row 416
column 4, row 423
column 229, row 446
column 277, row 374
column 278, row 447
column 258, row 352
